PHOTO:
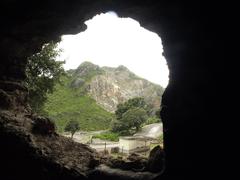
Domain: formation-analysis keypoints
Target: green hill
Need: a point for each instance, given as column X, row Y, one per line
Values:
column 68, row 103
column 90, row 94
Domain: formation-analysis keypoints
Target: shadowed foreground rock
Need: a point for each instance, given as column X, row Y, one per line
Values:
column 155, row 163
column 107, row 173
column 39, row 156
column 47, row 155
column 133, row 162
column 156, row 160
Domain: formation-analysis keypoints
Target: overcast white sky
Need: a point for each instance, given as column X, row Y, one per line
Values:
column 113, row 41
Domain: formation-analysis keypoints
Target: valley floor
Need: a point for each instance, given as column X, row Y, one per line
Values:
column 86, row 137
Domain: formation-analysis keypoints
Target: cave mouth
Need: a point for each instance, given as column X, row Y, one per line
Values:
column 126, row 52
column 185, row 30
column 112, row 53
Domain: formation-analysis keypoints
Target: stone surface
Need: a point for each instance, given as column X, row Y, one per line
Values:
column 43, row 126
column 156, row 160
column 133, row 162
column 107, row 173
column 111, row 86
column 44, row 155
column 154, row 131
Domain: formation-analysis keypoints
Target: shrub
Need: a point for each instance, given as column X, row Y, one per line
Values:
column 110, row 136
column 72, row 126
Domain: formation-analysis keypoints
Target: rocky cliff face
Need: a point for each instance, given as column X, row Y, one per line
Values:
column 111, row 86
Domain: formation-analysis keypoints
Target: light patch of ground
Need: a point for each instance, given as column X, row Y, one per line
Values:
column 154, row 130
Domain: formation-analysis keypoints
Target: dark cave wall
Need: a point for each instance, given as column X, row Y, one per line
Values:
column 189, row 40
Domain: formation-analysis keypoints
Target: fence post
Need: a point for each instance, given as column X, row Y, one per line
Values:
column 105, row 148
column 145, row 147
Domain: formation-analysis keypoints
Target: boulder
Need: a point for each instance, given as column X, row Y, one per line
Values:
column 133, row 162
column 156, row 160
column 115, row 150
column 43, row 126
column 135, row 157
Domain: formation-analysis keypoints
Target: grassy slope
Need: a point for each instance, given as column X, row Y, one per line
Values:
column 110, row 136
column 67, row 103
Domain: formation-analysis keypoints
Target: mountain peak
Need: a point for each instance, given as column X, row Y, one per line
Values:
column 122, row 68
column 109, row 86
column 87, row 64
column 86, row 68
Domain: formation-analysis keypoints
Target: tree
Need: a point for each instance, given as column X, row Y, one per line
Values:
column 132, row 113
column 131, row 103
column 121, row 109
column 120, row 127
column 43, row 72
column 72, row 126
column 134, row 117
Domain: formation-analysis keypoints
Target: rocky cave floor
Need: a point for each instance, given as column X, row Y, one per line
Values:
column 35, row 136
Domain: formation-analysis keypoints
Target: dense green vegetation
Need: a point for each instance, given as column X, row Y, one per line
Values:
column 134, row 118
column 130, row 115
column 43, row 72
column 110, row 136
column 152, row 120
column 137, row 102
column 66, row 104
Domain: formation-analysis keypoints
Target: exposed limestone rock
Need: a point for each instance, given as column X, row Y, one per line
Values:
column 85, row 69
column 111, row 86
